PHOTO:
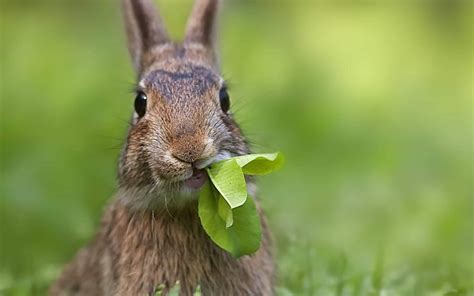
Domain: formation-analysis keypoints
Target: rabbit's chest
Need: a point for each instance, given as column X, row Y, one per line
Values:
column 161, row 251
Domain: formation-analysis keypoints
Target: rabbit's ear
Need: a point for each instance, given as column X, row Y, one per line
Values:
column 144, row 28
column 201, row 25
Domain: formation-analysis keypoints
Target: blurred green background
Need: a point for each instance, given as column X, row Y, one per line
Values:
column 371, row 102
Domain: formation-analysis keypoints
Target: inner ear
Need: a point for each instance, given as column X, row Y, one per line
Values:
column 201, row 25
column 144, row 28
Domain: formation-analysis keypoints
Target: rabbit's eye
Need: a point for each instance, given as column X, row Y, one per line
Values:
column 224, row 99
column 140, row 104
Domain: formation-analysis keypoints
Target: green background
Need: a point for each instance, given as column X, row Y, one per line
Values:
column 371, row 102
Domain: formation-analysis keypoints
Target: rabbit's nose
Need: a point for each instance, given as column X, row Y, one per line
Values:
column 187, row 156
column 188, row 148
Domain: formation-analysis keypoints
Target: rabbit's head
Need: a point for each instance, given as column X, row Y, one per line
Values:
column 181, row 121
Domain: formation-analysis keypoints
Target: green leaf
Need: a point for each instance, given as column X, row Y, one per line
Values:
column 243, row 237
column 225, row 212
column 227, row 215
column 229, row 180
column 260, row 164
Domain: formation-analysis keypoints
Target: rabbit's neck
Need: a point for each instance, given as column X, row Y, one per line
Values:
column 156, row 199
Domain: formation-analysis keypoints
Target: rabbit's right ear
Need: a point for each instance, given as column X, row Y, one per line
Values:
column 144, row 27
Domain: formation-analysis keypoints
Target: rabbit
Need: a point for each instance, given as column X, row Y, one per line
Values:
column 150, row 235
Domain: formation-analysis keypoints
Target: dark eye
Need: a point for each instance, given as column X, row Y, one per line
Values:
column 224, row 99
column 140, row 104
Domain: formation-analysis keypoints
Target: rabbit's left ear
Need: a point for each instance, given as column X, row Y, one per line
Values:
column 201, row 26
column 144, row 27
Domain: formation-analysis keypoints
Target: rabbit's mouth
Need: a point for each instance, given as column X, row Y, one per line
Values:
column 199, row 176
column 197, row 179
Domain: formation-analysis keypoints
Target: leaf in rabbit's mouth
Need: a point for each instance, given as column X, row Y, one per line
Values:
column 227, row 213
column 197, row 180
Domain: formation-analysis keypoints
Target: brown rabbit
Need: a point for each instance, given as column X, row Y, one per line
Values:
column 151, row 235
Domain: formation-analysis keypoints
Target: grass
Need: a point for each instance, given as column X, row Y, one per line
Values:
column 371, row 102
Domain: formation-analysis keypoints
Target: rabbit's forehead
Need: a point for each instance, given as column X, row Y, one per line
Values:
column 185, row 81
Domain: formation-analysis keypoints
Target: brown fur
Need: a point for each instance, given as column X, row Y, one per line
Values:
column 135, row 252
column 151, row 234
